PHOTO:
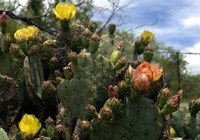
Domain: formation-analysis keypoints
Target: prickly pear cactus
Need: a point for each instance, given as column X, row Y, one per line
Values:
column 136, row 120
column 92, row 75
column 109, row 43
column 186, row 121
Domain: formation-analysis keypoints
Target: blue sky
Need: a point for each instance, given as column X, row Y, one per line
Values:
column 178, row 23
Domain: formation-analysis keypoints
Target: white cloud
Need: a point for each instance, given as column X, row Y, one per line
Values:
column 191, row 22
column 193, row 59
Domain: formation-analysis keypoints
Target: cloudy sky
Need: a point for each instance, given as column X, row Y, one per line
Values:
column 177, row 23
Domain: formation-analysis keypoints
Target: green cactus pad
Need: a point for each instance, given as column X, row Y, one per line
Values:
column 138, row 120
column 109, row 43
column 92, row 76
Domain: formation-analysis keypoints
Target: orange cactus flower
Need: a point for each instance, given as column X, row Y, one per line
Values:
column 144, row 75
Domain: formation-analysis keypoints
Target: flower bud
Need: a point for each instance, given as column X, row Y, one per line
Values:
column 114, row 104
column 49, row 42
column 91, row 108
column 68, row 72
column 172, row 104
column 106, row 113
column 85, row 125
column 120, row 63
column 73, row 58
column 194, row 106
column 34, row 49
column 123, row 89
column 92, row 26
column 49, row 120
column 148, row 53
column 129, row 71
column 8, row 38
column 14, row 48
column 115, row 56
column 94, row 43
column 112, row 28
column 138, row 48
column 112, row 91
column 162, row 97
column 87, row 32
column 3, row 18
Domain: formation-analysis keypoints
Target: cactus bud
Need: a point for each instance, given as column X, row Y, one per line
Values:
column 114, row 104
column 68, row 72
column 162, row 97
column 194, row 107
column 172, row 104
column 73, row 58
column 8, row 38
column 115, row 56
column 15, row 49
column 106, row 114
column 86, row 38
column 87, row 32
column 94, row 43
column 92, row 110
column 123, row 89
column 129, row 72
column 138, row 48
column 3, row 19
column 85, row 125
column 92, row 26
column 148, row 53
column 59, row 129
column 49, row 120
column 112, row 28
column 49, row 42
column 113, row 91
column 120, row 63
column 34, row 49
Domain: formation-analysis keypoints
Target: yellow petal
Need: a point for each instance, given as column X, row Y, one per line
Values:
column 29, row 124
column 147, row 36
column 18, row 34
column 64, row 11
column 32, row 30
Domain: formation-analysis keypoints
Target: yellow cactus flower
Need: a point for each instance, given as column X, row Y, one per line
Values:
column 147, row 36
column 172, row 132
column 29, row 124
column 26, row 33
column 64, row 11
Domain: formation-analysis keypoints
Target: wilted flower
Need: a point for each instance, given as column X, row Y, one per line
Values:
column 64, row 11
column 147, row 36
column 29, row 124
column 26, row 33
column 144, row 75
